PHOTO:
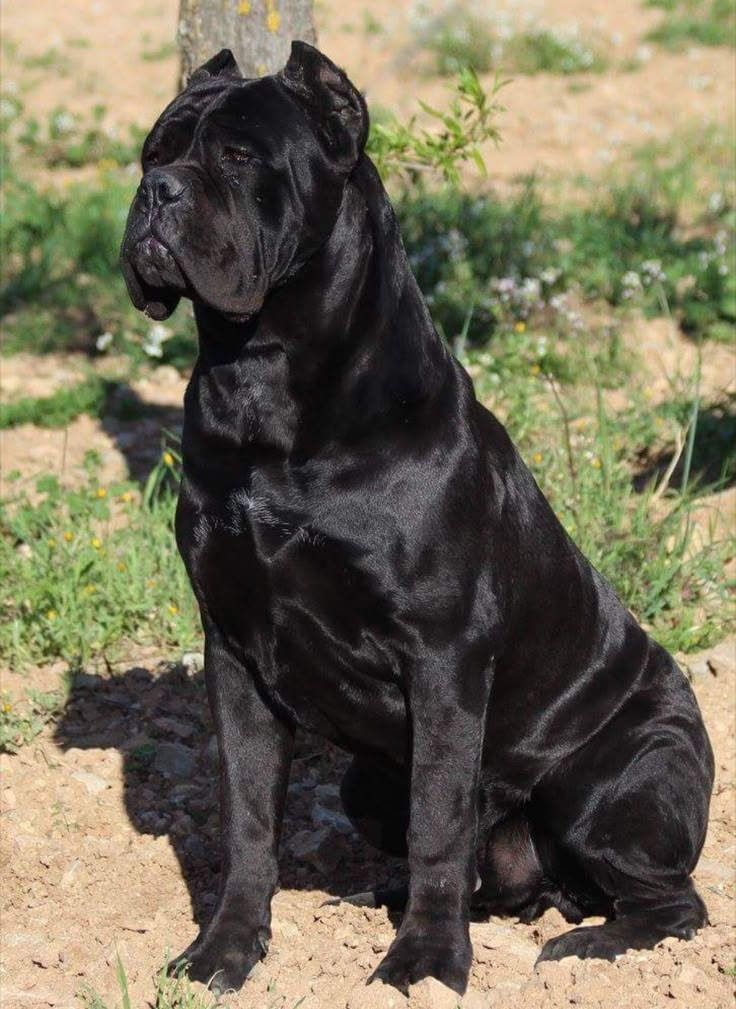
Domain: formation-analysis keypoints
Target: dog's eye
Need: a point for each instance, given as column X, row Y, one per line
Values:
column 236, row 155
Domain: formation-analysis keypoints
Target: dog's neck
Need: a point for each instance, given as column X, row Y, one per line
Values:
column 343, row 348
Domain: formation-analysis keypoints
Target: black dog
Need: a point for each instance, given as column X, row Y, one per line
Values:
column 374, row 562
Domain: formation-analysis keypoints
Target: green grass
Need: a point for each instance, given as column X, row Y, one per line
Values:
column 512, row 283
column 92, row 571
column 88, row 396
column 169, row 993
column 695, row 22
column 459, row 36
column 21, row 721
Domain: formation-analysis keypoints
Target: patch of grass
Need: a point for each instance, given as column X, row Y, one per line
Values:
column 50, row 59
column 544, row 50
column 586, row 457
column 162, row 52
column 695, row 22
column 22, row 721
column 93, row 569
column 650, row 239
column 67, row 139
column 170, row 993
column 461, row 35
column 88, row 396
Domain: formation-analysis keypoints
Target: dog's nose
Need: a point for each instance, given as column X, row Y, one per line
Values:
column 159, row 187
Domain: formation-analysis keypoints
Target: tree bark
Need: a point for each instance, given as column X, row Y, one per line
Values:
column 259, row 32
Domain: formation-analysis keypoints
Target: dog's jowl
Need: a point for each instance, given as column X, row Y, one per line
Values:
column 374, row 562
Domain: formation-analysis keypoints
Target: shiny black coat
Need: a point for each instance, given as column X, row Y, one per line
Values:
column 375, row 563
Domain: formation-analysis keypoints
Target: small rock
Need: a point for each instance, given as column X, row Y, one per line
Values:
column 210, row 757
column 376, row 996
column 174, row 760
column 68, row 877
column 9, row 799
column 493, row 936
column 327, row 792
column 322, row 817
column 474, row 999
column 181, row 729
column 306, row 845
column 432, row 994
column 193, row 662
column 92, row 782
column 709, row 867
column 692, row 976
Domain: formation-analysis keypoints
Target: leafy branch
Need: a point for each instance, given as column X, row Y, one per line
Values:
column 405, row 150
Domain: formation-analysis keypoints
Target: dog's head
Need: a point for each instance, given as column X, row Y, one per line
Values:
column 242, row 182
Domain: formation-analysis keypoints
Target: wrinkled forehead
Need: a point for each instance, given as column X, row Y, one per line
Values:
column 231, row 111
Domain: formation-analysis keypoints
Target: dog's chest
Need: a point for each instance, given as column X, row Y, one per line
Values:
column 309, row 608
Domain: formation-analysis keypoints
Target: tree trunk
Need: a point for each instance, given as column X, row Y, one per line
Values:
column 259, row 32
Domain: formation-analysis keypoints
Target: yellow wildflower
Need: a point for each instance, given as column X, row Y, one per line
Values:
column 89, row 589
column 536, row 369
column 595, row 462
column 168, row 458
column 520, row 326
column 101, row 492
column 537, row 457
column 68, row 536
column 173, row 609
column 51, row 542
column 127, row 495
column 96, row 542
column 7, row 707
column 122, row 566
column 52, row 614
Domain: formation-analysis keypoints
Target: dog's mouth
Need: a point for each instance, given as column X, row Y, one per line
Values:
column 154, row 279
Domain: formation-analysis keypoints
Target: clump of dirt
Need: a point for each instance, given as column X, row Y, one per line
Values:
column 110, row 846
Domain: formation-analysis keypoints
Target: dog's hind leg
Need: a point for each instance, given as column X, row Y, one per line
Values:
column 634, row 809
column 377, row 804
column 523, row 873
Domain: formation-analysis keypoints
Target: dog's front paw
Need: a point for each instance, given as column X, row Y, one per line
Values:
column 223, row 963
column 440, row 951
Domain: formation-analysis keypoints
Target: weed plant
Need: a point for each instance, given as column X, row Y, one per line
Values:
column 695, row 22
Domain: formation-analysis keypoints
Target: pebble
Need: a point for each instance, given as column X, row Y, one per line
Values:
column 432, row 994
column 322, row 817
column 174, row 760
column 181, row 729
column 193, row 662
column 211, row 754
column 92, row 782
column 493, row 936
column 376, row 996
column 306, row 845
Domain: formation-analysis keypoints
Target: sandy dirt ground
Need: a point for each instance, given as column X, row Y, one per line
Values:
column 110, row 847
column 109, row 820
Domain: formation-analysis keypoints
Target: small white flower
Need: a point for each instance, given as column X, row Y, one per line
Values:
column 652, row 271
column 64, row 122
column 716, row 202
column 103, row 341
column 158, row 334
column 550, row 275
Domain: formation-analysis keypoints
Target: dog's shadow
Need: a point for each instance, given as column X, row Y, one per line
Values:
column 159, row 721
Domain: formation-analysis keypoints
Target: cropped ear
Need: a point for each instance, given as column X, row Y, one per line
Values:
column 337, row 107
column 222, row 65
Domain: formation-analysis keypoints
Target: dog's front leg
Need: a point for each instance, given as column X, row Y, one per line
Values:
column 447, row 718
column 255, row 756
